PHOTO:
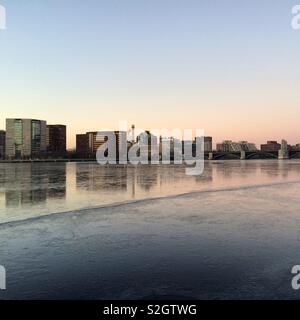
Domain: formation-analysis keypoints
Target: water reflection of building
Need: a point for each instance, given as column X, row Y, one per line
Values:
column 29, row 183
column 207, row 175
column 56, row 184
column 92, row 176
column 115, row 178
column 229, row 169
column 147, row 179
column 277, row 169
column 135, row 179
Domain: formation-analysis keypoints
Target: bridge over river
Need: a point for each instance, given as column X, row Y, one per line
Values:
column 248, row 155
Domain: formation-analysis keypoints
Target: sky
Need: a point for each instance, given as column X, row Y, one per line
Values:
column 230, row 67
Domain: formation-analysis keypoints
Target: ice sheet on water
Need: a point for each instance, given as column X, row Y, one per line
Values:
column 232, row 244
column 32, row 190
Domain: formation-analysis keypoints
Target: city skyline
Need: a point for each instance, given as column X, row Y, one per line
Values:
column 85, row 132
column 232, row 72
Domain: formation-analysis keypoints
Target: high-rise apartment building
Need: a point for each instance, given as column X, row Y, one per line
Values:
column 25, row 138
column 56, row 139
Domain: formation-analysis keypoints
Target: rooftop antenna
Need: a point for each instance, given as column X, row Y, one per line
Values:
column 133, row 133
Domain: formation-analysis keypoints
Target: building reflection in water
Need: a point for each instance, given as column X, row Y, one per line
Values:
column 95, row 177
column 146, row 179
column 278, row 169
column 134, row 180
column 207, row 176
column 228, row 170
column 89, row 184
column 33, row 183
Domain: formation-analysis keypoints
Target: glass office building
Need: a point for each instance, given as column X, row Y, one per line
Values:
column 25, row 138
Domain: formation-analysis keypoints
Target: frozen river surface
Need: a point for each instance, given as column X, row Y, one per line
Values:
column 81, row 231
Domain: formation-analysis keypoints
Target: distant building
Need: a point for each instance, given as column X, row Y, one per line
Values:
column 120, row 136
column 247, row 146
column 284, row 150
column 146, row 138
column 270, row 146
column 88, row 144
column 2, row 144
column 25, row 138
column 56, row 139
column 168, row 147
column 93, row 142
column 82, row 144
column 230, row 146
column 227, row 146
column 296, row 147
column 208, row 144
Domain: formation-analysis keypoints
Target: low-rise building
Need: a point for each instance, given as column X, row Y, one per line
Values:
column 231, row 146
column 270, row 146
column 89, row 143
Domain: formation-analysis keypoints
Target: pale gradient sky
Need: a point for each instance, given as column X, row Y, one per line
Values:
column 230, row 67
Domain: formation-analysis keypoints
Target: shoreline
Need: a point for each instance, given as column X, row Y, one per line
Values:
column 128, row 163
